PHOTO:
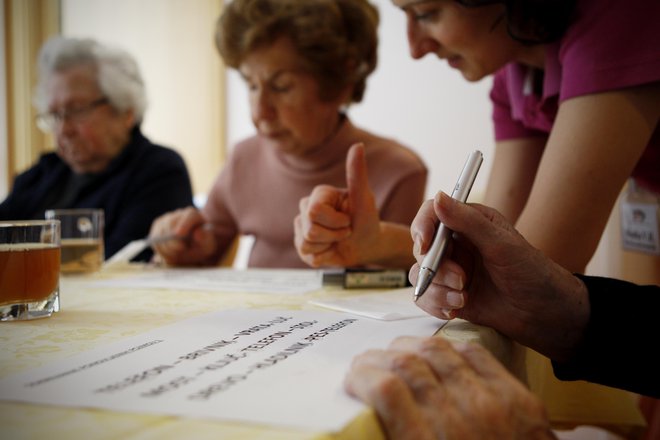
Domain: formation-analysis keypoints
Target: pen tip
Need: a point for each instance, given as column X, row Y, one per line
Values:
column 423, row 281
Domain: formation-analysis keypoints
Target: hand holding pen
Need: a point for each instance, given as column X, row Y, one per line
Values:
column 181, row 238
column 431, row 261
column 495, row 278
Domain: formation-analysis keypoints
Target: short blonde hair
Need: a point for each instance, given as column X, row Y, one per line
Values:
column 336, row 39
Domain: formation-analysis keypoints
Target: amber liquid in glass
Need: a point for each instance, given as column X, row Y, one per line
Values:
column 81, row 255
column 28, row 272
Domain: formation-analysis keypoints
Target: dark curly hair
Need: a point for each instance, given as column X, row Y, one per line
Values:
column 337, row 40
column 533, row 21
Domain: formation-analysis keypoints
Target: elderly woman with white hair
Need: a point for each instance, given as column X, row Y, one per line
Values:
column 92, row 98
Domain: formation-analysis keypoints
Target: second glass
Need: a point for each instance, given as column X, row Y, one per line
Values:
column 82, row 239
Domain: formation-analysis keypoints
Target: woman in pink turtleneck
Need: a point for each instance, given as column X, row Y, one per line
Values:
column 303, row 63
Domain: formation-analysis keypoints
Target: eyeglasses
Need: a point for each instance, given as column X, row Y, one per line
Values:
column 48, row 121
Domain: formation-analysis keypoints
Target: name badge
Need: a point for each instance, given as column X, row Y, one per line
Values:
column 640, row 223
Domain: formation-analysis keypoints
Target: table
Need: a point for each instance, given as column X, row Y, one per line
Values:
column 94, row 316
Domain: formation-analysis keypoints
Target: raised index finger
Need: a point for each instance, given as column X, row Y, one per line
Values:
column 357, row 178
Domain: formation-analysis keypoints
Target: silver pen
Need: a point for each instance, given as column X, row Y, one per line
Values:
column 149, row 241
column 432, row 258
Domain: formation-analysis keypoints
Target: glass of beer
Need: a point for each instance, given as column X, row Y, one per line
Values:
column 82, row 239
column 29, row 269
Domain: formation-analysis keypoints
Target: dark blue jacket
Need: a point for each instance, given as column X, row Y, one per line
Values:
column 619, row 341
column 143, row 182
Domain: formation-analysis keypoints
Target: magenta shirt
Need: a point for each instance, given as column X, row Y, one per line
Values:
column 612, row 44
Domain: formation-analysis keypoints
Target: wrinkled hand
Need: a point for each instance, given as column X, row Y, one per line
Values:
column 427, row 388
column 494, row 277
column 195, row 245
column 339, row 227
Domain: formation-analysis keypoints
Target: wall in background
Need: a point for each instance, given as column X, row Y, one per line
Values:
column 4, row 169
column 26, row 25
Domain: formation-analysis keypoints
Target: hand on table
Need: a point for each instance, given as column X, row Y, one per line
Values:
column 492, row 276
column 195, row 243
column 427, row 388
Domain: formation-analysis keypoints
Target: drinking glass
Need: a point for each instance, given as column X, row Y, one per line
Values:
column 29, row 269
column 82, row 239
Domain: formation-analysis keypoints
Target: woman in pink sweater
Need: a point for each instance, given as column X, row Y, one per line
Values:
column 304, row 63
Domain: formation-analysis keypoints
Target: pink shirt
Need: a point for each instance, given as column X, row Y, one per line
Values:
column 612, row 44
column 258, row 191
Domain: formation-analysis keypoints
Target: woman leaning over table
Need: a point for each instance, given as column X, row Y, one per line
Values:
column 576, row 105
column 303, row 62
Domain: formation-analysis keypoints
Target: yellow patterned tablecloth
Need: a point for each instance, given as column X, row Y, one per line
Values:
column 94, row 316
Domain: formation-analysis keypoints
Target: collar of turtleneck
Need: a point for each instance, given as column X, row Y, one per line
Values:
column 332, row 151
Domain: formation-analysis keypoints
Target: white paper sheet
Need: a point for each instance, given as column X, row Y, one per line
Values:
column 273, row 367
column 388, row 305
column 213, row 279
